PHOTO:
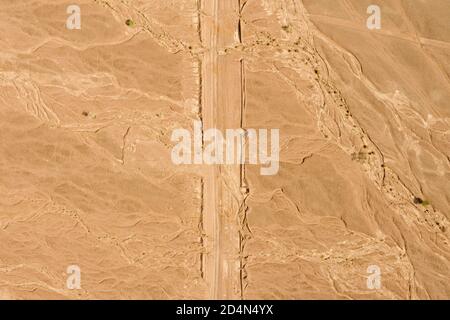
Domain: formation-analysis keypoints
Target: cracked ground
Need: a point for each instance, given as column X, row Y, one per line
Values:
column 86, row 176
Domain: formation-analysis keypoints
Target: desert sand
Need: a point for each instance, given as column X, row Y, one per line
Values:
column 87, row 179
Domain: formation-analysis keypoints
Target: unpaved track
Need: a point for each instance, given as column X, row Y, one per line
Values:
column 221, row 104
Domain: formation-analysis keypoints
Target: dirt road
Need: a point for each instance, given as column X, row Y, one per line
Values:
column 221, row 109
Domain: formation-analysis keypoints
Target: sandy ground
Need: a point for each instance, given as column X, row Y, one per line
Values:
column 86, row 176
